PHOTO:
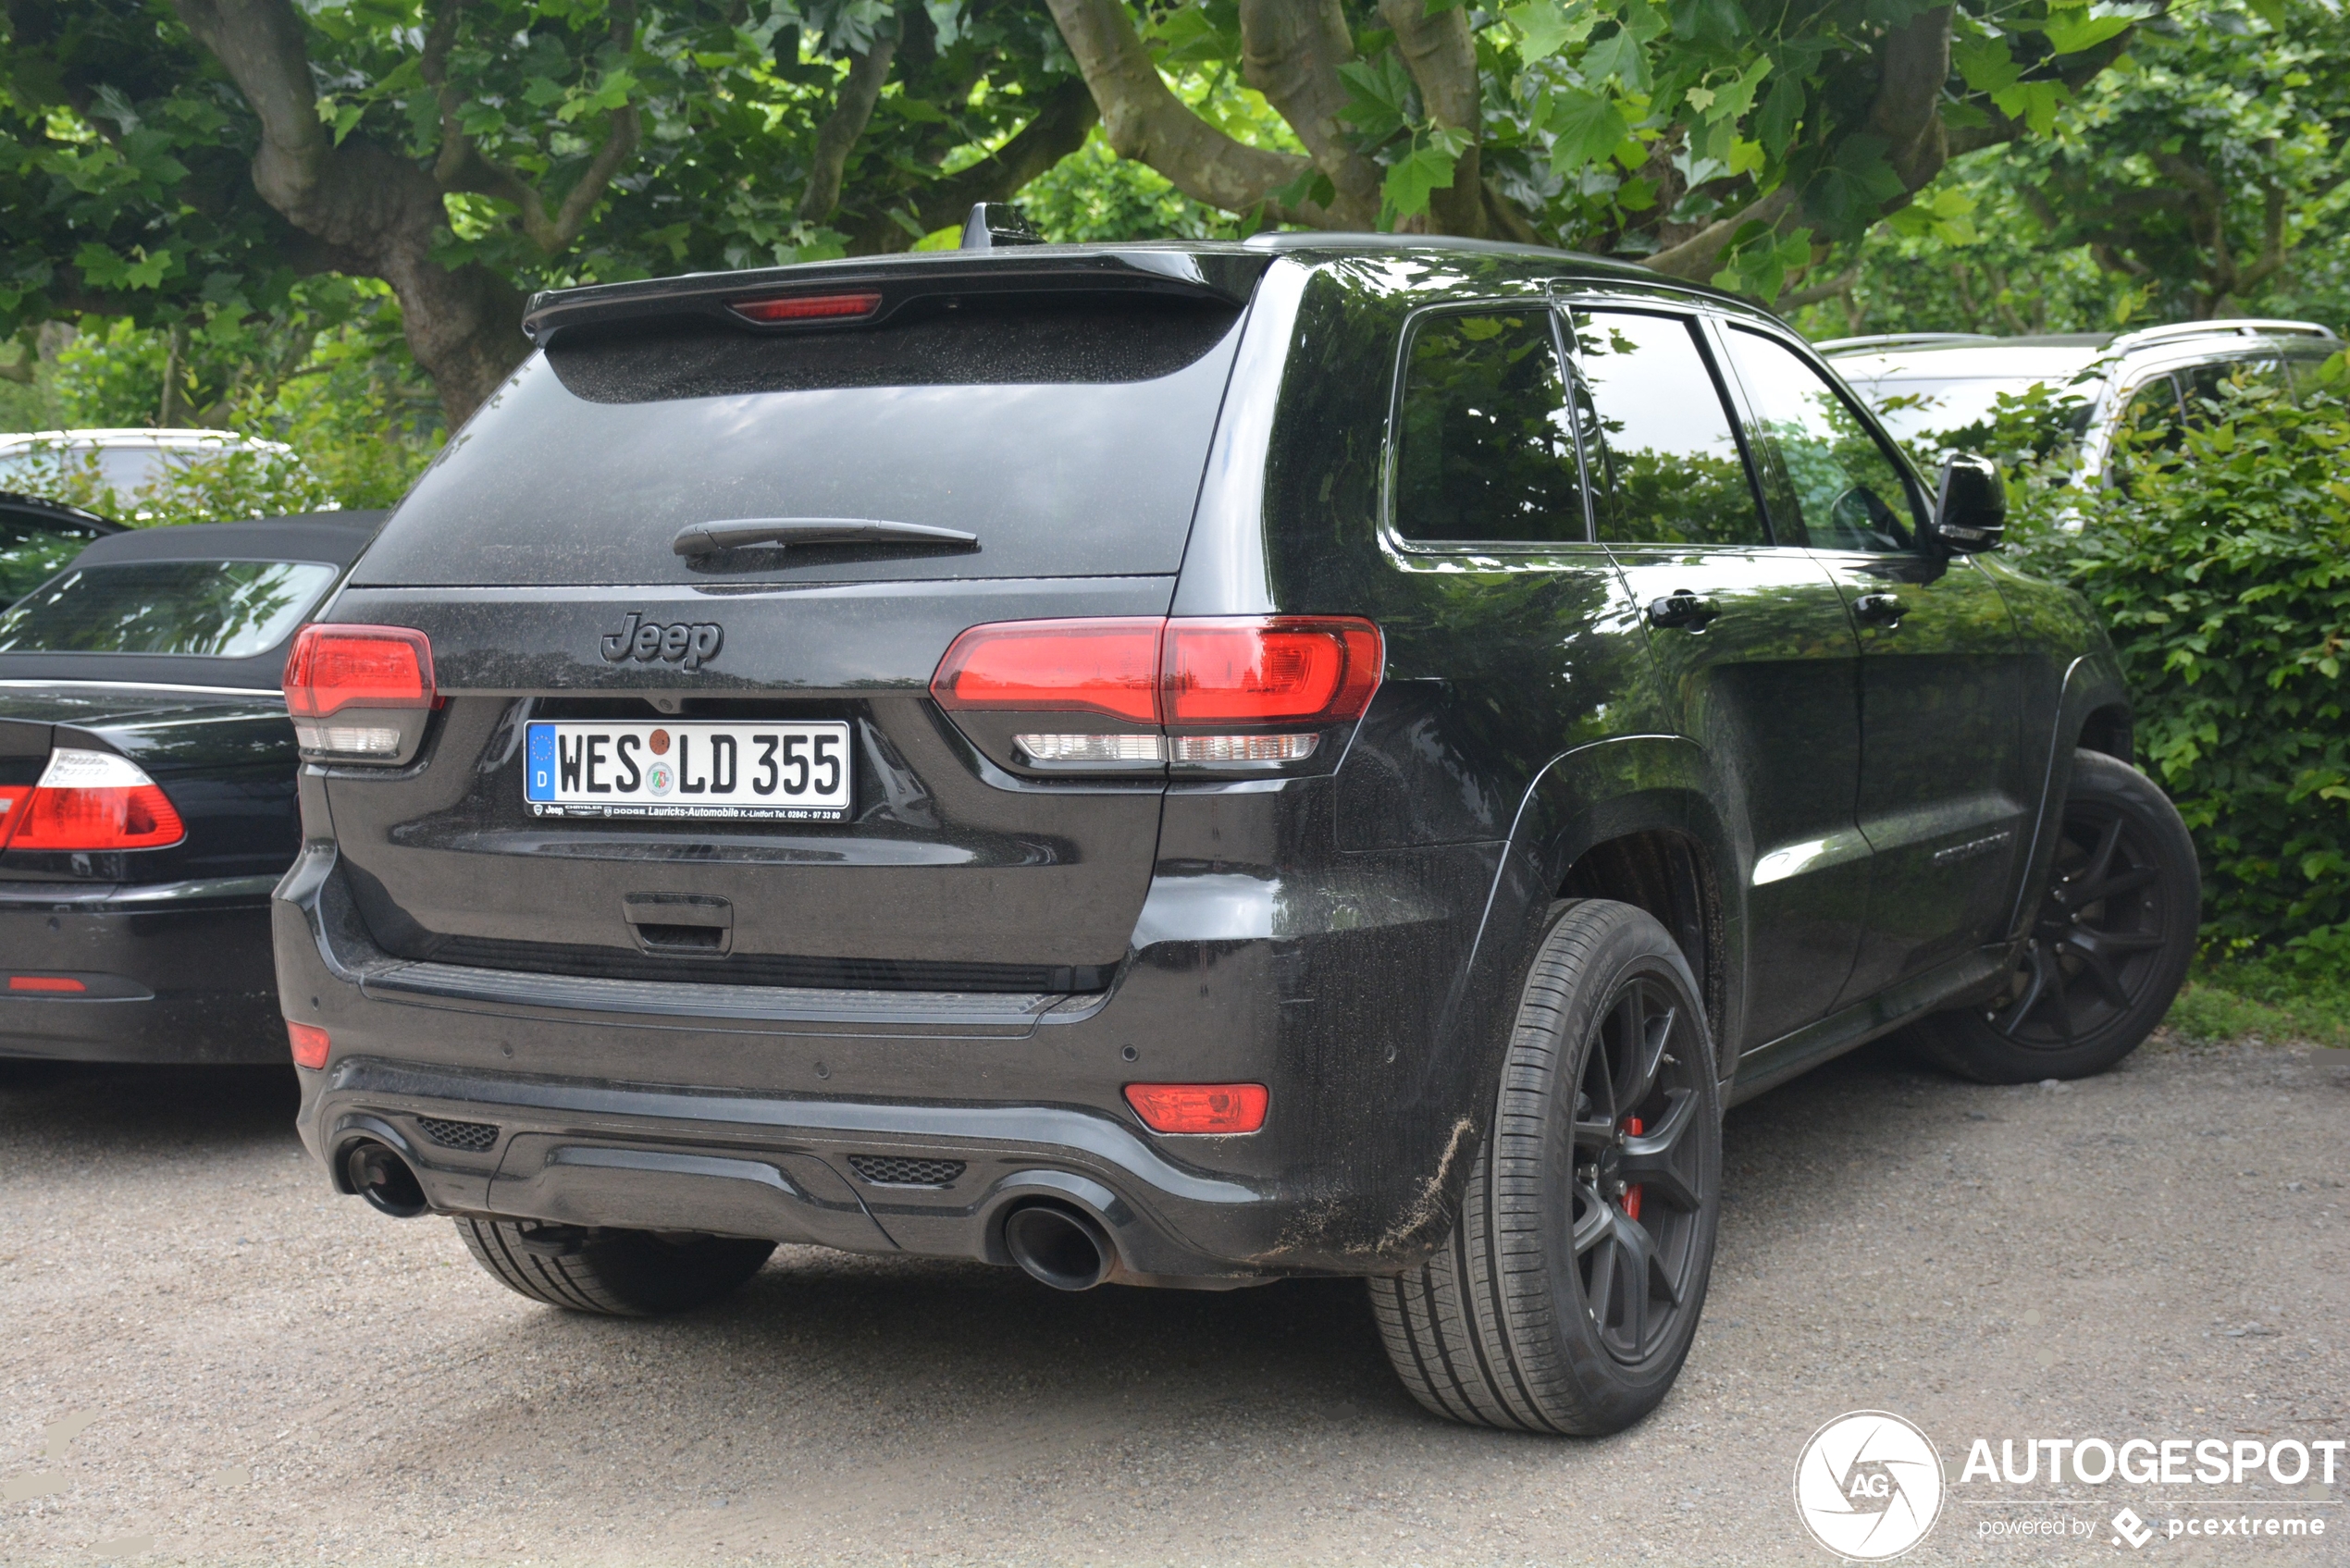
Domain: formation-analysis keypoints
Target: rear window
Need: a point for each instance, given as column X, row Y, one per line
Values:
column 1069, row 434
column 1913, row 408
column 203, row 608
column 31, row 552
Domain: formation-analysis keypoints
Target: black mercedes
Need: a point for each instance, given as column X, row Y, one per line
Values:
column 147, row 788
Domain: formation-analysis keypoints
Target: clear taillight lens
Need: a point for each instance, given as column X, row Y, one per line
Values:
column 93, row 800
column 374, row 683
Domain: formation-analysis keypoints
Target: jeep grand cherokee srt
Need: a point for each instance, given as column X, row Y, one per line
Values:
column 1186, row 764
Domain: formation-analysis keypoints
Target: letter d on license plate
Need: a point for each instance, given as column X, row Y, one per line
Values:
column 788, row 773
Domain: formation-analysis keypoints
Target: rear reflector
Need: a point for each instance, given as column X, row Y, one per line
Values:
column 1300, row 673
column 1198, row 1107
column 94, row 800
column 55, row 984
column 808, row 307
column 310, row 1044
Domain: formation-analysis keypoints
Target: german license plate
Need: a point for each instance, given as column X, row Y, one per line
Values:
column 793, row 772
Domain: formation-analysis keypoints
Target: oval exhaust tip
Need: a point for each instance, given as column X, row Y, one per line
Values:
column 381, row 1177
column 1057, row 1246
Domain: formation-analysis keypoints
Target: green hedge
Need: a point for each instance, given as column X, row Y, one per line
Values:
column 2220, row 565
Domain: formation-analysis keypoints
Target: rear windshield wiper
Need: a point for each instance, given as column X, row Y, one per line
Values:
column 735, row 533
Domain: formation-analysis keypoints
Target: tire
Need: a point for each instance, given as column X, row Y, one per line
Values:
column 618, row 1273
column 2108, row 949
column 1498, row 1328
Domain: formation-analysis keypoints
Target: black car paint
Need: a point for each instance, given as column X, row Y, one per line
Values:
column 1350, row 931
column 173, row 944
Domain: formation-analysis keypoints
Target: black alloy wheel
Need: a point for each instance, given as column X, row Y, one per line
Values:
column 2109, row 947
column 1566, row 1296
column 1639, row 1175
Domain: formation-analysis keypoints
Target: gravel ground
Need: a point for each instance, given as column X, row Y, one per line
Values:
column 206, row 1356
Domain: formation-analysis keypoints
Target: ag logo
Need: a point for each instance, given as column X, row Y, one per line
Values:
column 1868, row 1486
column 688, row 644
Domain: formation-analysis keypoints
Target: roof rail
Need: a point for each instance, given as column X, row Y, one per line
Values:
column 1899, row 340
column 2229, row 327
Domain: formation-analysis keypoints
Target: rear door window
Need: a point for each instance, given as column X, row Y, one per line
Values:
column 1829, row 480
column 1484, row 447
column 1669, row 469
column 1069, row 433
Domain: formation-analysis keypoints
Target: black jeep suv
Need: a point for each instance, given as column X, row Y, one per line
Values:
column 1185, row 764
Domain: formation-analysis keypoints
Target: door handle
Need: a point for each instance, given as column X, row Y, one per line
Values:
column 1682, row 609
column 1879, row 609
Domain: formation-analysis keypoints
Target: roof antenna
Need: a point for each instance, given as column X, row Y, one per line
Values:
column 994, row 224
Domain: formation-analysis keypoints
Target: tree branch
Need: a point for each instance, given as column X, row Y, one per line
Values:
column 1695, row 257
column 1147, row 122
column 1290, row 51
column 462, row 166
column 837, row 137
column 1442, row 57
column 1058, row 128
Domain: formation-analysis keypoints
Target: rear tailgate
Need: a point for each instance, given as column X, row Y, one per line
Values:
column 1066, row 428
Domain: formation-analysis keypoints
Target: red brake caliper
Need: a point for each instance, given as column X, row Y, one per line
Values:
column 1632, row 1195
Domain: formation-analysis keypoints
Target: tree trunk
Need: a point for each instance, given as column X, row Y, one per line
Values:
column 376, row 215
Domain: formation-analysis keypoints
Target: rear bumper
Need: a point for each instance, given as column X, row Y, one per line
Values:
column 174, row 972
column 763, row 1111
column 662, row 1158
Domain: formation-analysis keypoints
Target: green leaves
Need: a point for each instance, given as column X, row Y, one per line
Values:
column 1427, row 167
column 1379, row 97
column 1545, row 27
column 2074, row 29
column 1849, row 190
column 1757, row 261
column 1587, row 127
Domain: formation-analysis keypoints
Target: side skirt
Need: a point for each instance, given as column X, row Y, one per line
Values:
column 1767, row 1067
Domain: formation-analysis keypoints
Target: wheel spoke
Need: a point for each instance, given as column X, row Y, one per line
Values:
column 1597, row 1224
column 1655, row 1032
column 2126, row 881
column 1601, row 1285
column 2085, row 946
column 2012, row 1019
column 1602, row 1092
column 2100, row 859
column 1662, row 1163
column 1594, row 1134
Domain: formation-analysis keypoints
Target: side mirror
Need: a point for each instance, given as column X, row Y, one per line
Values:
column 1970, row 514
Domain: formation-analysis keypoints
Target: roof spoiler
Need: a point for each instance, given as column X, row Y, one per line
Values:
column 866, row 290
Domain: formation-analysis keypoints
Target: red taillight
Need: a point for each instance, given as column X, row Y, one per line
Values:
column 310, row 1044
column 1286, row 669
column 1055, row 667
column 92, row 800
column 54, row 985
column 1183, row 674
column 12, row 802
column 1198, row 1107
column 333, row 667
column 808, row 307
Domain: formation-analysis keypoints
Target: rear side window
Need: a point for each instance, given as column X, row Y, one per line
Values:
column 1830, row 483
column 204, row 609
column 31, row 553
column 1671, row 471
column 1069, row 434
column 1483, row 450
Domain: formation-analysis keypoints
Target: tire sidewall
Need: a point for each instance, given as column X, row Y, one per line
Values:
column 1633, row 948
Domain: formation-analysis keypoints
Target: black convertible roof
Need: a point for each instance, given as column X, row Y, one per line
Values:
column 336, row 537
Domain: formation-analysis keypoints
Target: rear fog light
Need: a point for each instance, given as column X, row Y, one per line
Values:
column 310, row 1044
column 1198, row 1107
